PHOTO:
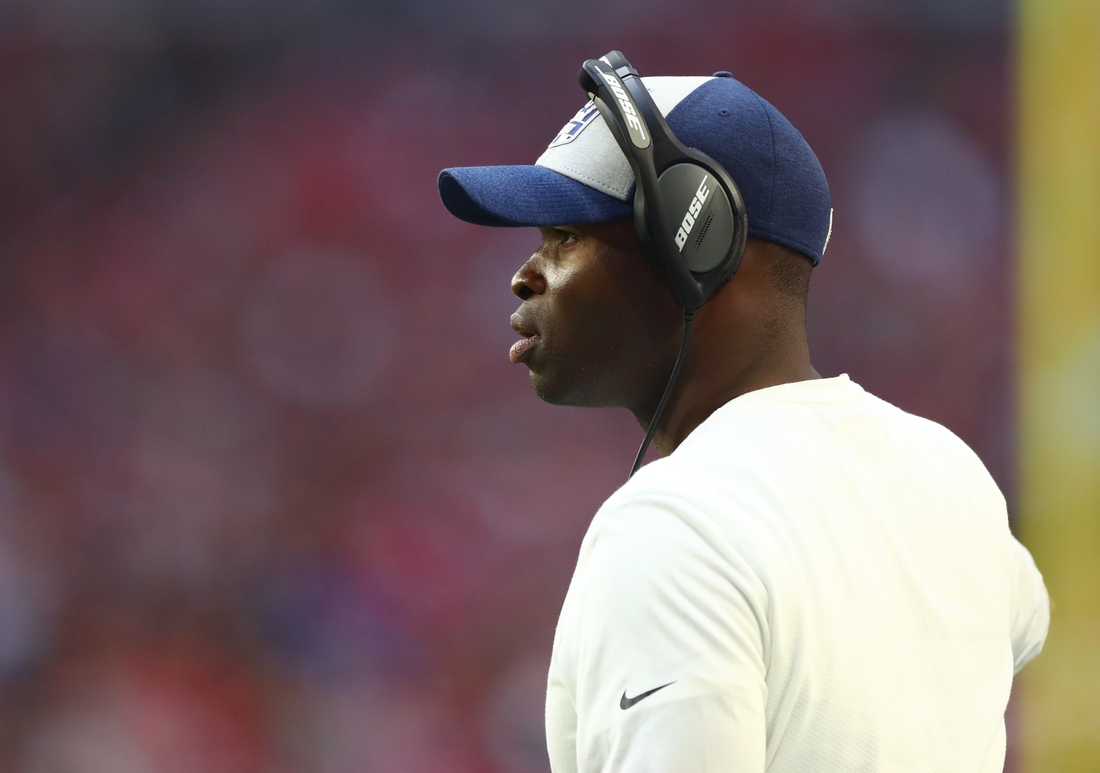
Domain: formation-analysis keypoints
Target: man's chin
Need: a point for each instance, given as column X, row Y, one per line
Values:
column 548, row 390
column 557, row 391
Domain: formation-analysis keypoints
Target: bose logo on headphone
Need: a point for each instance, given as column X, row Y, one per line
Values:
column 693, row 211
column 637, row 133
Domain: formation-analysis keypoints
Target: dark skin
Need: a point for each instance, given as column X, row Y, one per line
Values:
column 605, row 329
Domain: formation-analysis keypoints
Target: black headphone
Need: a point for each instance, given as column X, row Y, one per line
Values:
column 688, row 212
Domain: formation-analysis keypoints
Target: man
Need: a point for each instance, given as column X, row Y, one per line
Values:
column 810, row 579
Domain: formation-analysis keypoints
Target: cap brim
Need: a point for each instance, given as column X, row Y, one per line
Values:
column 525, row 196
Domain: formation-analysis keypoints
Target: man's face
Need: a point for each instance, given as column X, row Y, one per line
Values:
column 600, row 327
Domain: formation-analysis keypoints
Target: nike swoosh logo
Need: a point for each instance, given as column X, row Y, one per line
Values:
column 625, row 702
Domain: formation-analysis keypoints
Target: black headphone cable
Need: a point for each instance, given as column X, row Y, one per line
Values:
column 689, row 317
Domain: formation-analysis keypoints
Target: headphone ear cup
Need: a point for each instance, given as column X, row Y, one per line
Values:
column 700, row 216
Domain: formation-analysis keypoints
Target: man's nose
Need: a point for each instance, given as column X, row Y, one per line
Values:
column 528, row 282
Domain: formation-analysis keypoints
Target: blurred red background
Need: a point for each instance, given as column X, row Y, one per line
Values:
column 272, row 498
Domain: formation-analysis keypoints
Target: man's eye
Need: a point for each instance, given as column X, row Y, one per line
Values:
column 565, row 237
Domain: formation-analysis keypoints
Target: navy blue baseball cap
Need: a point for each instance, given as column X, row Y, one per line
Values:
column 584, row 177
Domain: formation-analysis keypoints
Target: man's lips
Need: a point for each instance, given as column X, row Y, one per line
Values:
column 525, row 328
column 520, row 347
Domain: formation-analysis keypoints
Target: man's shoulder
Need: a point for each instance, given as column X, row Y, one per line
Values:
column 649, row 533
column 673, row 507
column 803, row 422
column 774, row 456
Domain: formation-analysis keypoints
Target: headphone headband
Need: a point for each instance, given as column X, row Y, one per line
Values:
column 668, row 199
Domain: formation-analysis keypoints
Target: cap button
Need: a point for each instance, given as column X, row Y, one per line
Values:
column 723, row 74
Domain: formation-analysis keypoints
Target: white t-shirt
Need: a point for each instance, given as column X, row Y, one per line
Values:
column 815, row 580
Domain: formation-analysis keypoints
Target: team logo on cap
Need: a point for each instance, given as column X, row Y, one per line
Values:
column 573, row 129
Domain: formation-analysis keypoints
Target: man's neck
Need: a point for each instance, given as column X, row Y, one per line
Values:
column 704, row 387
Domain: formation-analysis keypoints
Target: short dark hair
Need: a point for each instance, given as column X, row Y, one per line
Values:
column 789, row 271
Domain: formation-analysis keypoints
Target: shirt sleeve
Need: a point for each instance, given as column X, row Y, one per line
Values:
column 1031, row 612
column 666, row 607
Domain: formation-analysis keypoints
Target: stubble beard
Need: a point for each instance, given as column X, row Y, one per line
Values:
column 581, row 390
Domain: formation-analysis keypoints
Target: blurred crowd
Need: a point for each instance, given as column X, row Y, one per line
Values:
column 272, row 498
